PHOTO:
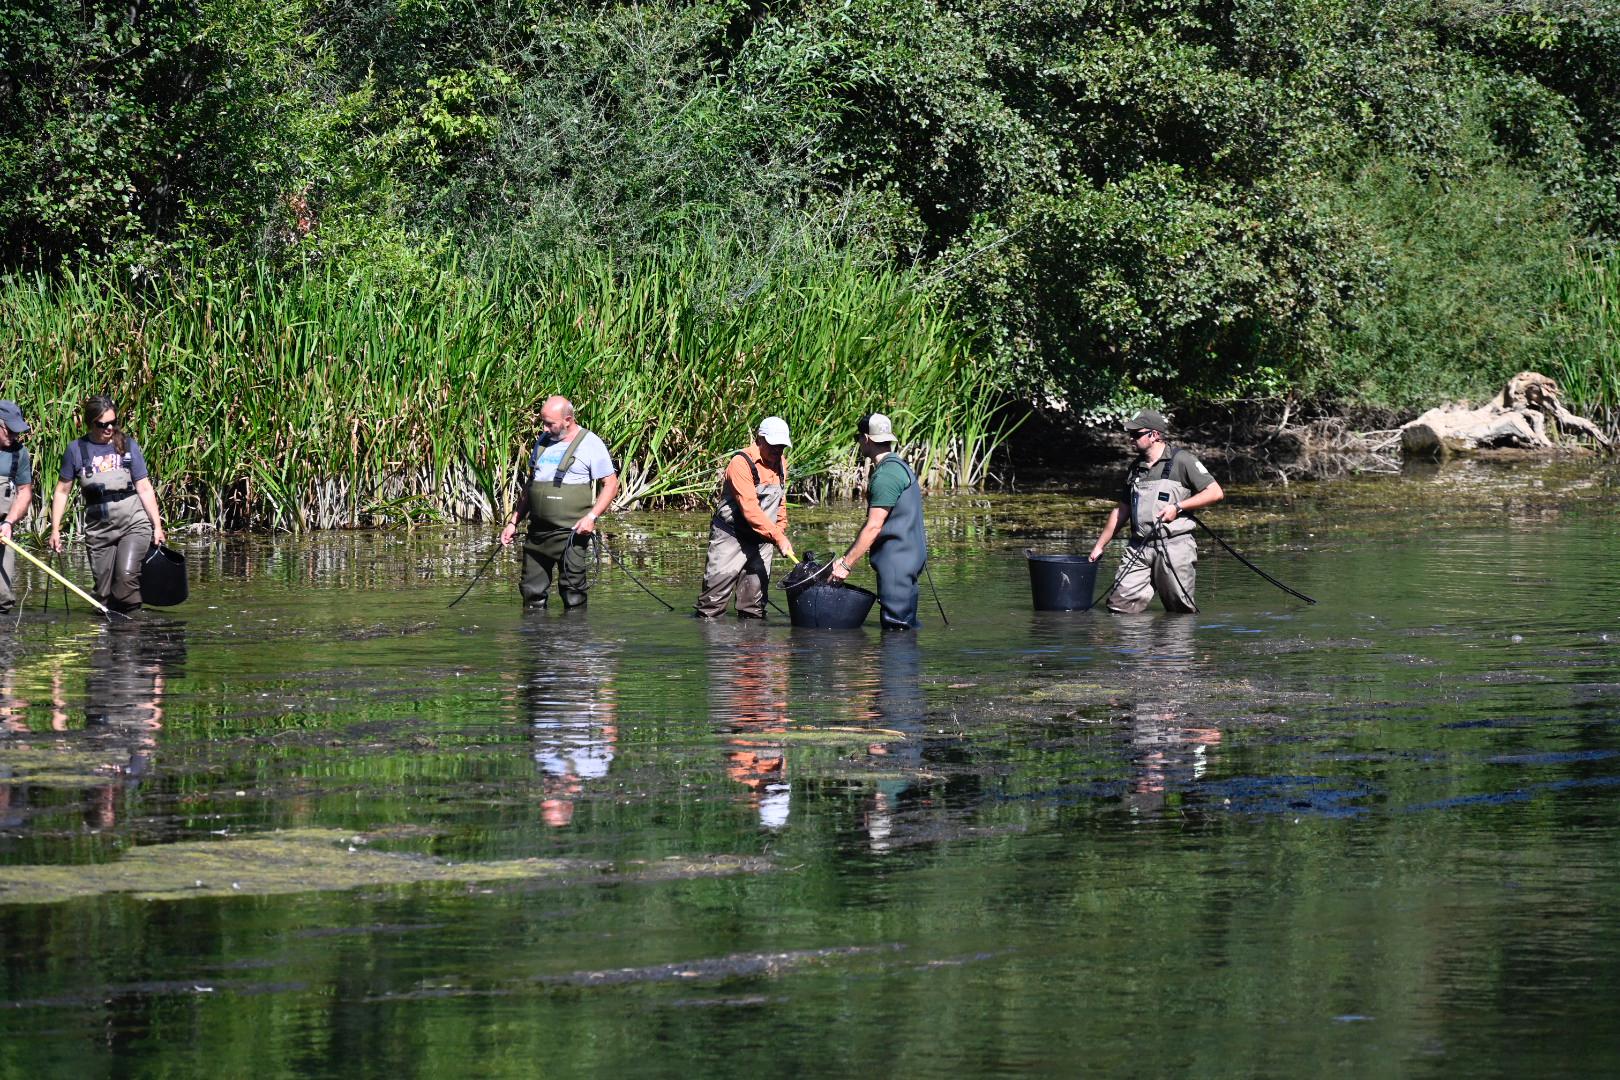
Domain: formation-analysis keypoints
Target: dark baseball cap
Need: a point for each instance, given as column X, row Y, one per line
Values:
column 12, row 417
column 1148, row 420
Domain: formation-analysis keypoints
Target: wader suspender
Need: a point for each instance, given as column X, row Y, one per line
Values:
column 568, row 461
column 1167, row 461
column 753, row 469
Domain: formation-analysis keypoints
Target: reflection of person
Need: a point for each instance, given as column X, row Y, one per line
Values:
column 899, row 706
column 748, row 692
column 1169, row 747
column 894, row 527
column 573, row 718
column 560, row 499
column 121, row 512
column 130, row 669
column 749, row 522
column 1163, row 484
column 16, row 494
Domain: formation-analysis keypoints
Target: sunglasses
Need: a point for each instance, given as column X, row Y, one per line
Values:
column 105, row 425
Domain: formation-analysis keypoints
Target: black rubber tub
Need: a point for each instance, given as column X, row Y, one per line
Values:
column 163, row 578
column 829, row 607
column 1061, row 582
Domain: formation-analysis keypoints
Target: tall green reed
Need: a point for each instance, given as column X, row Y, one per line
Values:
column 334, row 401
column 1589, row 367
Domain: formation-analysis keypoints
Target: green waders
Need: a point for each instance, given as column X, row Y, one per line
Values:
column 552, row 548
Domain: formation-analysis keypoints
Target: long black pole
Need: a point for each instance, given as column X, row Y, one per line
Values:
column 478, row 575
column 930, row 572
column 1233, row 552
column 612, row 557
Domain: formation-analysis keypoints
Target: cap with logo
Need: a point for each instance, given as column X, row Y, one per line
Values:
column 876, row 426
column 774, row 430
column 1148, row 420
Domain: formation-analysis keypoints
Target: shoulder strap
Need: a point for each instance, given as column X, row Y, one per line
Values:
column 753, row 468
column 568, row 459
column 1169, row 460
column 16, row 463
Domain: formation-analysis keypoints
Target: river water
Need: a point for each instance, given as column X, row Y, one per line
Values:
column 315, row 823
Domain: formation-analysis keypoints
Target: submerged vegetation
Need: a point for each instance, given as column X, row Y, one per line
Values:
column 349, row 230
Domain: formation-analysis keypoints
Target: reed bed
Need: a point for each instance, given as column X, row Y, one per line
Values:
column 1589, row 371
column 330, row 402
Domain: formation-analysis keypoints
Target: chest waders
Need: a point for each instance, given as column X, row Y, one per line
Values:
column 551, row 543
column 8, row 558
column 739, row 559
column 900, row 552
column 117, row 532
column 1159, row 557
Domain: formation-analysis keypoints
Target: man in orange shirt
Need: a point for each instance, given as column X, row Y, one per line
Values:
column 749, row 522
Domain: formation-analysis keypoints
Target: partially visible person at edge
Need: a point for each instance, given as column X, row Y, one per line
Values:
column 560, row 498
column 749, row 525
column 16, row 494
column 1161, row 487
column 893, row 532
column 121, row 519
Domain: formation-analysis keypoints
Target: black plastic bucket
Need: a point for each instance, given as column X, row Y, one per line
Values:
column 830, row 607
column 163, row 578
column 1061, row 582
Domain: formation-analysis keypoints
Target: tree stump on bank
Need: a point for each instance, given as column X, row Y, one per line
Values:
column 1514, row 419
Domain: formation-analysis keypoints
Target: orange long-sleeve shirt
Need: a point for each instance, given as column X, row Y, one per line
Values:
column 740, row 489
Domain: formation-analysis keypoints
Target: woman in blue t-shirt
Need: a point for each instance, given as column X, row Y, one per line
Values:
column 121, row 520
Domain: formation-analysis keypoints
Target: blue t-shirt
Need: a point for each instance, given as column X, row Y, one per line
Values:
column 16, row 457
column 85, row 460
column 591, row 460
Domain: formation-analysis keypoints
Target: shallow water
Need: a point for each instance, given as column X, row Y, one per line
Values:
column 378, row 836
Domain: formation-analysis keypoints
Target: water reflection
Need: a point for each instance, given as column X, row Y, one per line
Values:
column 898, row 705
column 125, row 685
column 748, row 697
column 571, row 703
column 1168, row 749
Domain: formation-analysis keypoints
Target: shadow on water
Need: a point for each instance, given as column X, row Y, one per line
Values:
column 1377, row 832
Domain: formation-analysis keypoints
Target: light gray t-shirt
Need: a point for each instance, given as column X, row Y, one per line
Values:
column 591, row 460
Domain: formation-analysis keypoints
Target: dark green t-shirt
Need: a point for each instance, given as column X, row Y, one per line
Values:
column 1186, row 469
column 889, row 479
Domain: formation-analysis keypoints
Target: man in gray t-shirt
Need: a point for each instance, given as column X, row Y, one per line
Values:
column 562, row 509
column 1163, row 484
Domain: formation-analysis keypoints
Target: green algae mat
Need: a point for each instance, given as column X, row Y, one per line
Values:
column 312, row 860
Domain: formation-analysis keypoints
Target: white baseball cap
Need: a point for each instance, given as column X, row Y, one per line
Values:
column 876, row 426
column 774, row 430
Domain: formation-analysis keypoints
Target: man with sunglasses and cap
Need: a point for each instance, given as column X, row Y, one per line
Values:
column 1162, row 486
column 16, row 494
column 893, row 532
column 748, row 526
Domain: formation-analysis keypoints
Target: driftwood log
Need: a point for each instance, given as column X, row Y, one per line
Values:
column 1517, row 417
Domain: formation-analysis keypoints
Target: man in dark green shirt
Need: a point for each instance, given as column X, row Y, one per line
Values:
column 1163, row 484
column 894, row 527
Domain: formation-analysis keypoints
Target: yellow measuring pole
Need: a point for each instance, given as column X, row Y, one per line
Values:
column 80, row 593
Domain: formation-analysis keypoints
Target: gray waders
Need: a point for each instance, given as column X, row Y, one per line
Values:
column 552, row 549
column 1159, row 558
column 8, row 558
column 739, row 561
column 117, row 536
column 899, row 554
